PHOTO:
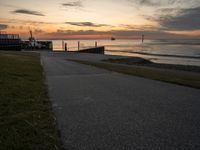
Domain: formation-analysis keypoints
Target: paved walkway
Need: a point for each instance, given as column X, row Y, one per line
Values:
column 102, row 110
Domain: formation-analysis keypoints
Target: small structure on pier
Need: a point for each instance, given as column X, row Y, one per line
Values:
column 10, row 42
column 33, row 44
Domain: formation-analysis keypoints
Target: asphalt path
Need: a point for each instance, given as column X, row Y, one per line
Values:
column 101, row 110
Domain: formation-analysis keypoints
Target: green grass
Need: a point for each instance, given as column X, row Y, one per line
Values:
column 26, row 119
column 170, row 76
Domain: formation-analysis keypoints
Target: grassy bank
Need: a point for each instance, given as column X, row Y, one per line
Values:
column 166, row 75
column 142, row 62
column 26, row 120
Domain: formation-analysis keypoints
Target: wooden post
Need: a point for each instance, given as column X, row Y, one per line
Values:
column 142, row 38
column 66, row 47
column 78, row 45
column 63, row 44
column 96, row 44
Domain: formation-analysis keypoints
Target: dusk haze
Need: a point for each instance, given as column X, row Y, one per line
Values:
column 99, row 74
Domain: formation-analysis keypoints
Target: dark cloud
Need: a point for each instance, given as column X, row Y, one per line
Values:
column 72, row 4
column 149, row 2
column 28, row 12
column 185, row 19
column 138, row 27
column 3, row 26
column 164, row 2
column 86, row 24
column 79, row 32
column 152, row 2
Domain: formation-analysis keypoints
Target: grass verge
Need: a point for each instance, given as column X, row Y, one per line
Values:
column 171, row 76
column 26, row 119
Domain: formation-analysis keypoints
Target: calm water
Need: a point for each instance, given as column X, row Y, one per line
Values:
column 185, row 52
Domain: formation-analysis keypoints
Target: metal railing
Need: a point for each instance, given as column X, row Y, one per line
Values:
column 9, row 36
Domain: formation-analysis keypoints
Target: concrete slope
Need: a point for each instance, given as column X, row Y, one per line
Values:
column 101, row 110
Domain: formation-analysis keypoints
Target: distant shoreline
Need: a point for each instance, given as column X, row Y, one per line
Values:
column 160, row 51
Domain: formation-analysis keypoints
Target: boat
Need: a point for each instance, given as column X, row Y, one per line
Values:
column 112, row 38
column 32, row 43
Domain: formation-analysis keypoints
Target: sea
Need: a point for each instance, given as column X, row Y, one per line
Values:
column 180, row 52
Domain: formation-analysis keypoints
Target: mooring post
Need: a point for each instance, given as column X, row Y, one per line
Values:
column 142, row 38
column 63, row 44
column 78, row 45
column 66, row 47
column 96, row 44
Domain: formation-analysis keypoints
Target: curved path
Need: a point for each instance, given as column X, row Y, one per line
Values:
column 102, row 110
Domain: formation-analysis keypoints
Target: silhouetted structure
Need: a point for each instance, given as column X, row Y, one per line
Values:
column 95, row 50
column 96, row 44
column 10, row 42
column 65, row 46
column 78, row 45
column 142, row 38
column 112, row 38
column 32, row 44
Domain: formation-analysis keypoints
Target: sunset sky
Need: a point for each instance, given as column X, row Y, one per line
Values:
column 88, row 19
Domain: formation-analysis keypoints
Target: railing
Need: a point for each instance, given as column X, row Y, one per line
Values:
column 10, row 42
column 9, row 36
